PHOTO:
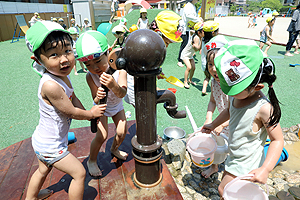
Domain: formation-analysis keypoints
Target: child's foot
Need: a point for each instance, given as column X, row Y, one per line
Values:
column 186, row 86
column 45, row 193
column 94, row 169
column 296, row 52
column 204, row 93
column 119, row 154
column 193, row 83
column 85, row 71
column 76, row 73
column 288, row 54
column 210, row 171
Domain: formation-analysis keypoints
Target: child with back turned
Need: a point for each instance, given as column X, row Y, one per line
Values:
column 242, row 70
column 92, row 49
column 58, row 105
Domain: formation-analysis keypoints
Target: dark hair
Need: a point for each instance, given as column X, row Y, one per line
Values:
column 298, row 7
column 208, row 35
column 153, row 26
column 141, row 15
column 266, row 74
column 211, row 52
column 55, row 36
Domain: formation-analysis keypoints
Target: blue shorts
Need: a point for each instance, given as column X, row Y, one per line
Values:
column 50, row 159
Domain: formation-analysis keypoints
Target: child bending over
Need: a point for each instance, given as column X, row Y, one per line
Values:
column 242, row 70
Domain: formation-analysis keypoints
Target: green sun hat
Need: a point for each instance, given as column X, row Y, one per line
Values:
column 72, row 31
column 36, row 35
column 90, row 45
column 216, row 42
column 237, row 64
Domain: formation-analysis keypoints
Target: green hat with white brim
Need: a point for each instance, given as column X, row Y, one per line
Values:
column 216, row 42
column 36, row 35
column 73, row 30
column 90, row 45
column 237, row 64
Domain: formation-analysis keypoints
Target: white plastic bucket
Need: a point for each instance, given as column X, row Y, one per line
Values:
column 202, row 148
column 239, row 189
column 222, row 149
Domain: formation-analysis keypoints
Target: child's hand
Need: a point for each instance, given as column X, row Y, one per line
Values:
column 100, row 93
column 98, row 110
column 107, row 80
column 260, row 175
column 207, row 128
column 218, row 130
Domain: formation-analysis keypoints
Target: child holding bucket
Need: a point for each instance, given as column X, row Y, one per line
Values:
column 217, row 97
column 92, row 49
column 242, row 70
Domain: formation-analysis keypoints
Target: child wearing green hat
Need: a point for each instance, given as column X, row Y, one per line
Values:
column 242, row 70
column 92, row 49
column 54, row 60
column 266, row 35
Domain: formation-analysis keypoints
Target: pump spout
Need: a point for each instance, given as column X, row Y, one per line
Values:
column 169, row 99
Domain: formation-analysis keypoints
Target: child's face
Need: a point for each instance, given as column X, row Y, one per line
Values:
column 97, row 65
column 211, row 67
column 244, row 94
column 58, row 58
column 201, row 33
column 144, row 15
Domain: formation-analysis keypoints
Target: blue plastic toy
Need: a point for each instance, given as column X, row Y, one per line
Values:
column 71, row 137
column 284, row 154
column 104, row 28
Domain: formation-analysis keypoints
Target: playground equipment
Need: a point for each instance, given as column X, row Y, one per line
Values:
column 21, row 23
column 104, row 28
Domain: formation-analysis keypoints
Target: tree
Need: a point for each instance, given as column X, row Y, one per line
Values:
column 272, row 4
column 254, row 6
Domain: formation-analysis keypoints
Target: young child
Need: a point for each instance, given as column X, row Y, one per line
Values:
column 250, row 20
column 297, row 45
column 86, row 25
column 58, row 105
column 242, row 70
column 61, row 22
column 143, row 22
column 123, row 23
column 194, row 44
column 211, row 29
column 92, row 49
column 217, row 97
column 266, row 35
column 74, row 24
column 119, row 32
column 74, row 35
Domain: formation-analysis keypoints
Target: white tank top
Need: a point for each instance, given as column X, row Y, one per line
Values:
column 143, row 24
column 51, row 134
column 114, row 103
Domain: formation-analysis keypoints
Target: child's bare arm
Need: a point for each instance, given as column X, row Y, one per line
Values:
column 138, row 22
column 268, row 34
column 210, row 109
column 114, row 44
column 97, row 93
column 197, row 43
column 76, row 102
column 54, row 95
column 120, row 88
column 275, row 147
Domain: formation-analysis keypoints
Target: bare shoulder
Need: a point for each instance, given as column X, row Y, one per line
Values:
column 265, row 112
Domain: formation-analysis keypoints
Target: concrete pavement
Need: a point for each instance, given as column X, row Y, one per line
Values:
column 238, row 26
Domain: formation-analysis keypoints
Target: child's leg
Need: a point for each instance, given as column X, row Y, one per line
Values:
column 268, row 47
column 227, row 177
column 75, row 70
column 121, row 130
column 192, row 71
column 82, row 66
column 72, row 166
column 37, row 180
column 213, row 168
column 204, row 87
column 261, row 45
column 187, row 71
column 96, row 143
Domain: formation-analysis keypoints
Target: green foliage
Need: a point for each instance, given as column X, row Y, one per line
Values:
column 272, row 4
column 198, row 4
column 254, row 6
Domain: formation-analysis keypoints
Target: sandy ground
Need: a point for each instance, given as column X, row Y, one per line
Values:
column 238, row 26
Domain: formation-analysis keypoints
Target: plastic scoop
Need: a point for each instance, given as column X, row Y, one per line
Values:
column 173, row 80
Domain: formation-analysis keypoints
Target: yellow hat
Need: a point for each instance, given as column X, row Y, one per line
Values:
column 85, row 19
column 143, row 10
column 275, row 13
column 36, row 13
column 198, row 26
column 167, row 22
column 269, row 19
column 54, row 19
column 72, row 19
column 60, row 19
column 210, row 26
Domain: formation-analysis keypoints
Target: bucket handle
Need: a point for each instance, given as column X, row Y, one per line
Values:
column 245, row 176
column 199, row 131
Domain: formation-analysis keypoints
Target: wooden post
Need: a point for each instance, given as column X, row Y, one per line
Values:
column 203, row 8
column 92, row 14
